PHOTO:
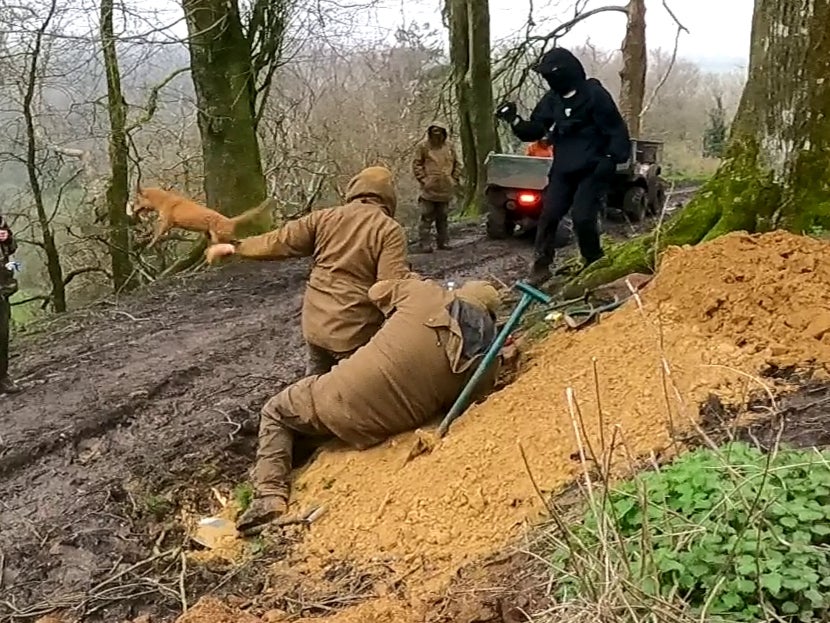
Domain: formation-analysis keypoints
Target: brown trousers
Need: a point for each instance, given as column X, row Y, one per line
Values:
column 278, row 433
column 320, row 361
column 434, row 212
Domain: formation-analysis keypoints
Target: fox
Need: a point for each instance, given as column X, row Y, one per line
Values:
column 174, row 210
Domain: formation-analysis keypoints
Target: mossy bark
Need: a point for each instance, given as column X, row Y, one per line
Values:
column 220, row 60
column 775, row 171
column 469, row 25
column 118, row 185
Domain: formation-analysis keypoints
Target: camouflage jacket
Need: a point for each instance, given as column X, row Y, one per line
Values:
column 8, row 284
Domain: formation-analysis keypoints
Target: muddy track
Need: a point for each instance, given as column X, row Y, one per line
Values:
column 134, row 410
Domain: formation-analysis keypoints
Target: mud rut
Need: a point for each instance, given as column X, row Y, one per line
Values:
column 132, row 411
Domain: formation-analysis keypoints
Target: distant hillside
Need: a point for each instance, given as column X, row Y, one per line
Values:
column 721, row 65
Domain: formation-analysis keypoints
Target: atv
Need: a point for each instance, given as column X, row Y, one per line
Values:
column 516, row 186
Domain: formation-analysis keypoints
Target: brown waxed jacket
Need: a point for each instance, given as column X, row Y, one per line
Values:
column 436, row 167
column 411, row 371
column 353, row 247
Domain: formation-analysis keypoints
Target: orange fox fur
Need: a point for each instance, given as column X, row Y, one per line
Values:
column 173, row 210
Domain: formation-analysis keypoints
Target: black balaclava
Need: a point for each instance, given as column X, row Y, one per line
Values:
column 561, row 70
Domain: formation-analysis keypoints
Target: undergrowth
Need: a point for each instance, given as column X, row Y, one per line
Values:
column 727, row 535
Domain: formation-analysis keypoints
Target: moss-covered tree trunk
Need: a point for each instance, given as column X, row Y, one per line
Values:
column 471, row 68
column 775, row 170
column 220, row 60
column 460, row 62
column 118, row 186
column 635, row 61
column 481, row 90
column 50, row 247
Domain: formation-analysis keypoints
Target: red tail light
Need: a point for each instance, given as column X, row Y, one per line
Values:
column 527, row 199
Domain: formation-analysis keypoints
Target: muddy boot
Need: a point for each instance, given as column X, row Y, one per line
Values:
column 539, row 273
column 262, row 511
column 444, row 246
column 7, row 386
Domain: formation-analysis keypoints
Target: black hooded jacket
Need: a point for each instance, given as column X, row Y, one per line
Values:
column 587, row 126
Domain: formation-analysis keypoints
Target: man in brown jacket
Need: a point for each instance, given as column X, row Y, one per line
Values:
column 410, row 372
column 437, row 170
column 353, row 247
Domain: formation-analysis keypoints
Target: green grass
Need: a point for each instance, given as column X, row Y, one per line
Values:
column 243, row 494
column 720, row 535
column 24, row 314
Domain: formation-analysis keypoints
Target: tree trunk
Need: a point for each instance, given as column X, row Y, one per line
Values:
column 220, row 58
column 460, row 61
column 118, row 186
column 481, row 90
column 774, row 171
column 633, row 72
column 48, row 244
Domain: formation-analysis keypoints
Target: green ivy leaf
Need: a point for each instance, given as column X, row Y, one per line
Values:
column 788, row 607
column 820, row 529
column 772, row 582
column 816, row 599
column 731, row 601
column 745, row 586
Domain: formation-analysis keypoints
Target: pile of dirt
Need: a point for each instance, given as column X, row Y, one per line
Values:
column 714, row 317
column 762, row 293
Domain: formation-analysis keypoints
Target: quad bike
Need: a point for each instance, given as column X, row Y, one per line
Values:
column 516, row 185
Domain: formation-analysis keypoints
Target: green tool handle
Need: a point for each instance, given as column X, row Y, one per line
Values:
column 463, row 399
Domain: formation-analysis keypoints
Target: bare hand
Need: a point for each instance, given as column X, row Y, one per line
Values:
column 217, row 251
column 4, row 235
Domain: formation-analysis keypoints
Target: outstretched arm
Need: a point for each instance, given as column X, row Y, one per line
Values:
column 294, row 239
column 541, row 119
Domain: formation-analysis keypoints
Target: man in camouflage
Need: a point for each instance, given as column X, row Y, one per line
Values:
column 8, row 286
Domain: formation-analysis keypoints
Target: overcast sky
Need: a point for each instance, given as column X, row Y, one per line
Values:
column 719, row 29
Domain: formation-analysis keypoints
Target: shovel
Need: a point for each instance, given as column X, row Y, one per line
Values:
column 581, row 317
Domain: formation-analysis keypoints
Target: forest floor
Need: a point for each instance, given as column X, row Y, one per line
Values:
column 136, row 413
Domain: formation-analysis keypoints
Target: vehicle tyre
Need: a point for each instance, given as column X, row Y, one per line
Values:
column 500, row 223
column 564, row 234
column 659, row 203
column 635, row 203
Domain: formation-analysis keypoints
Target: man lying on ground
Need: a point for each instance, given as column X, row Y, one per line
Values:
column 353, row 246
column 410, row 372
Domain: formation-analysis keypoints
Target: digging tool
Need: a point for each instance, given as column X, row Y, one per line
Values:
column 580, row 317
column 530, row 295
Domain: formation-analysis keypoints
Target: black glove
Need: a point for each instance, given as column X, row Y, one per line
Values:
column 506, row 111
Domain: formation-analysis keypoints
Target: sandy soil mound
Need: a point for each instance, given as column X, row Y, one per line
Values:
column 715, row 315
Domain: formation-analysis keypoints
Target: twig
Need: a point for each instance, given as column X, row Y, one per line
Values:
column 127, row 315
column 182, row 588
column 680, row 29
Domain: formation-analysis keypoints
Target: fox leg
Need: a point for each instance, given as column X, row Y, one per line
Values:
column 162, row 227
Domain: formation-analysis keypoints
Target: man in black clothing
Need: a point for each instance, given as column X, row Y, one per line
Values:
column 8, row 286
column 589, row 140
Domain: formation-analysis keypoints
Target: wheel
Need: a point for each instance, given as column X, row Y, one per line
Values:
column 659, row 203
column 635, row 203
column 564, row 234
column 500, row 223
